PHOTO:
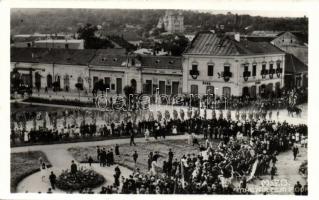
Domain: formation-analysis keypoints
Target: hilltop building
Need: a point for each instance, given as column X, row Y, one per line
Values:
column 172, row 22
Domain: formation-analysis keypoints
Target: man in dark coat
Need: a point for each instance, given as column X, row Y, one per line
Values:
column 74, row 167
column 135, row 156
column 103, row 157
column 52, row 179
column 297, row 188
column 295, row 151
column 117, row 150
column 117, row 176
column 170, row 155
column 132, row 136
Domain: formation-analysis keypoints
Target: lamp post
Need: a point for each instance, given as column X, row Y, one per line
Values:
column 225, row 103
column 215, row 96
column 106, row 89
column 208, row 94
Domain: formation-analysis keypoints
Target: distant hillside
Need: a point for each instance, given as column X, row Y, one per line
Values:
column 28, row 21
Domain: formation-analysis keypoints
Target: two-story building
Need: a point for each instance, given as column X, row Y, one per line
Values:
column 221, row 65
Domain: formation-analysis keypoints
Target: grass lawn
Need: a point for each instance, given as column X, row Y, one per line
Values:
column 179, row 147
column 19, row 107
column 24, row 164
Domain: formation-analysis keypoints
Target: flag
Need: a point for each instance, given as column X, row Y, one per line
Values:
column 183, row 175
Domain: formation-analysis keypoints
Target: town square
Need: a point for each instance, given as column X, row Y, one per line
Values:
column 154, row 102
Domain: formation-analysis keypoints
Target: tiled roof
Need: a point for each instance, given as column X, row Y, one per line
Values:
column 294, row 65
column 58, row 56
column 301, row 52
column 112, row 51
column 32, row 55
column 101, row 57
column 105, row 59
column 208, row 43
column 69, row 56
column 161, row 62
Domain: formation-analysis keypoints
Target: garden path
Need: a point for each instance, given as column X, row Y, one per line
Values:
column 61, row 159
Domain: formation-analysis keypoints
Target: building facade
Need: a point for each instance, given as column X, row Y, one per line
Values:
column 217, row 64
column 59, row 44
column 67, row 69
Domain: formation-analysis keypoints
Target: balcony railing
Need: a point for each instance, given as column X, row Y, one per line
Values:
column 194, row 73
column 246, row 75
column 226, row 75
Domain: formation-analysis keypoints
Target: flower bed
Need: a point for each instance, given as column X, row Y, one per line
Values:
column 83, row 178
column 303, row 169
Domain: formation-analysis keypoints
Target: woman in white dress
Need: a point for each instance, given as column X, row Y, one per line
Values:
column 154, row 167
column 147, row 134
column 43, row 168
column 174, row 130
column 26, row 136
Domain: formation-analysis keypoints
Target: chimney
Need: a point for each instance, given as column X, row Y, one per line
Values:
column 237, row 37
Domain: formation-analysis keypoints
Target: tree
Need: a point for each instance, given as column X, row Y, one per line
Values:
column 129, row 90
column 38, row 81
column 91, row 41
column 79, row 87
column 175, row 44
column 15, row 79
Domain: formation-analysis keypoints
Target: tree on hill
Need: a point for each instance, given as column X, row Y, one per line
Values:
column 175, row 44
column 91, row 41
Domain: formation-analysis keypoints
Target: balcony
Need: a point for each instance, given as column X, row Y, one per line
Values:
column 246, row 75
column 263, row 73
column 226, row 75
column 279, row 71
column 271, row 73
column 194, row 73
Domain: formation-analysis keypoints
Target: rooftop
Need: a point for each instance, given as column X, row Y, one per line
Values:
column 208, row 43
column 294, row 65
column 162, row 62
column 59, row 41
column 100, row 57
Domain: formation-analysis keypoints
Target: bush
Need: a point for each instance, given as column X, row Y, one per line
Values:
column 303, row 169
column 83, row 178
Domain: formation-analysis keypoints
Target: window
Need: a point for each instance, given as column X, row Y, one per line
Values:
column 278, row 64
column 107, row 81
column 194, row 67
column 112, row 86
column 95, row 79
column 194, row 89
column 148, row 87
column 271, row 66
column 263, row 66
column 254, row 69
column 210, row 89
column 226, row 68
column 226, row 92
column 80, row 80
column 246, row 67
column 210, row 70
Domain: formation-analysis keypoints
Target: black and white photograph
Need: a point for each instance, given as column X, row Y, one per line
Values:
column 158, row 101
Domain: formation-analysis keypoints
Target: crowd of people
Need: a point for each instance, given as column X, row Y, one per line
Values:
column 242, row 154
column 247, row 151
